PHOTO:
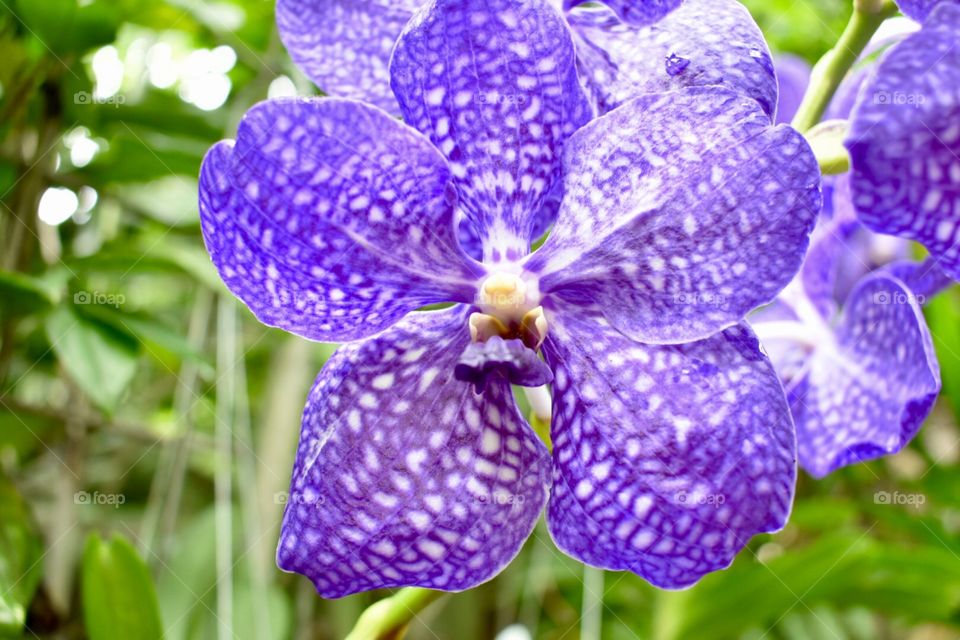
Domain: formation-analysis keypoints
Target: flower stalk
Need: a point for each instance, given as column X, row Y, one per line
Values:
column 389, row 618
column 835, row 63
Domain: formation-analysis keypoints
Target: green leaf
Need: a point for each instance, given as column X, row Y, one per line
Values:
column 47, row 20
column 94, row 25
column 63, row 26
column 140, row 156
column 23, row 433
column 101, row 360
column 22, row 294
column 152, row 333
column 119, row 599
column 915, row 583
column 20, row 555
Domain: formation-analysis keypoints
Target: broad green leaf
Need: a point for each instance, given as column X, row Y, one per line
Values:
column 119, row 598
column 152, row 333
column 21, row 294
column 23, row 432
column 94, row 25
column 916, row 583
column 48, row 20
column 139, row 156
column 20, row 555
column 171, row 200
column 101, row 360
column 66, row 26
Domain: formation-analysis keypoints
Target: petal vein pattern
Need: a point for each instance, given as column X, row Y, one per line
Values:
column 667, row 459
column 405, row 476
column 494, row 86
column 331, row 220
column 682, row 212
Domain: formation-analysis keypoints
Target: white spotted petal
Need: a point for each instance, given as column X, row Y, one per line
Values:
column 667, row 459
column 404, row 476
column 904, row 140
column 682, row 212
column 866, row 393
column 330, row 219
column 344, row 46
column 494, row 86
column 702, row 43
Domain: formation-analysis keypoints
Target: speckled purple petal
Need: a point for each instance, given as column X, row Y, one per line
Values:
column 332, row 220
column 404, row 476
column 837, row 250
column 704, row 42
column 904, row 140
column 667, row 459
column 793, row 76
column 494, row 85
column 924, row 279
column 638, row 13
column 919, row 9
column 344, row 45
column 866, row 395
column 682, row 212
column 542, row 221
column 842, row 251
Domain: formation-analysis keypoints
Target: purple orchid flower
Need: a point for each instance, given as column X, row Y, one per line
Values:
column 904, row 138
column 919, row 9
column 624, row 48
column 681, row 211
column 860, row 377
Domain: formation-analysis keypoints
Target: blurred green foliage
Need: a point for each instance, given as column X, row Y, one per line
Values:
column 142, row 411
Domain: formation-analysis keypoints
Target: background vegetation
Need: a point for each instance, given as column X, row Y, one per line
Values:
column 148, row 423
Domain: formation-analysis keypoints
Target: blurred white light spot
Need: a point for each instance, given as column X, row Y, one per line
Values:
column 282, row 87
column 514, row 632
column 207, row 92
column 222, row 59
column 203, row 77
column 108, row 70
column 87, row 199
column 161, row 69
column 57, row 205
column 82, row 147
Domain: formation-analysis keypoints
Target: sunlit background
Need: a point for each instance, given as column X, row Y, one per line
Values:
column 148, row 423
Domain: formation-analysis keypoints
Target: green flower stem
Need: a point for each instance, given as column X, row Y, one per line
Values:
column 826, row 141
column 388, row 619
column 867, row 17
